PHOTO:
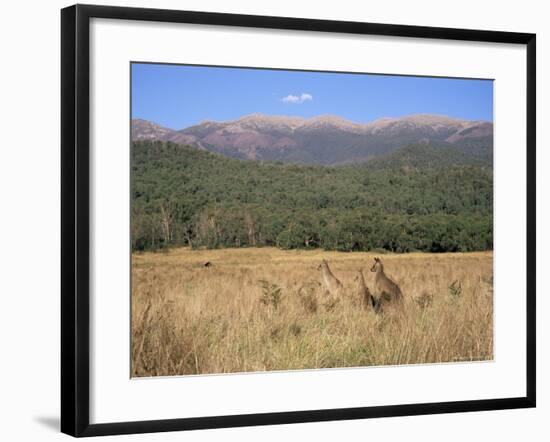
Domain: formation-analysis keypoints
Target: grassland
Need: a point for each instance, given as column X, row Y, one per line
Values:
column 257, row 309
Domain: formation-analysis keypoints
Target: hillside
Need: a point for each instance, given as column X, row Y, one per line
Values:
column 326, row 139
column 184, row 195
column 429, row 156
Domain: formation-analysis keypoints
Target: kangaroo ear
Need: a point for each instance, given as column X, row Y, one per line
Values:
column 377, row 259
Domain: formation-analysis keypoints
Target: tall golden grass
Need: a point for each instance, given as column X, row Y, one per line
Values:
column 260, row 309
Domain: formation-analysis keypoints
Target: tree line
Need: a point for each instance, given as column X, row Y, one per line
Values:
column 185, row 196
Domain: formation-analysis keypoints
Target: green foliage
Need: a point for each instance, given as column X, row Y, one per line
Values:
column 423, row 156
column 272, row 294
column 185, row 196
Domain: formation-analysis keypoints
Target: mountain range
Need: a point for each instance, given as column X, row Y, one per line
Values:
column 327, row 139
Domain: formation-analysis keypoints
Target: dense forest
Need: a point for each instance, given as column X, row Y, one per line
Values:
column 419, row 198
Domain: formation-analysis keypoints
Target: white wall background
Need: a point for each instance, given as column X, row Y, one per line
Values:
column 29, row 219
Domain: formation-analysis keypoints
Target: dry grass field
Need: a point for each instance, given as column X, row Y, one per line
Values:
column 257, row 309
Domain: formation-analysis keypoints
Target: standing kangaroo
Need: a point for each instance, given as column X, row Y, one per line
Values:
column 367, row 300
column 388, row 291
column 332, row 283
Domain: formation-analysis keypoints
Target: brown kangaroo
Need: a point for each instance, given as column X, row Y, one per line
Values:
column 388, row 291
column 367, row 300
column 332, row 283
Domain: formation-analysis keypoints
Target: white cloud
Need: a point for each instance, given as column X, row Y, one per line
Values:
column 297, row 99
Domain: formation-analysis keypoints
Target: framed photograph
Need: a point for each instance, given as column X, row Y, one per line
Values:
column 272, row 220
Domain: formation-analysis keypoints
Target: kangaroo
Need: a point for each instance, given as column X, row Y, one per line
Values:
column 332, row 283
column 367, row 300
column 389, row 292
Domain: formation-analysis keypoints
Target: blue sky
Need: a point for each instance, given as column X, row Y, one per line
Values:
column 178, row 96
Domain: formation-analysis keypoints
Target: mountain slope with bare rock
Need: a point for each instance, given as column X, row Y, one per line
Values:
column 325, row 139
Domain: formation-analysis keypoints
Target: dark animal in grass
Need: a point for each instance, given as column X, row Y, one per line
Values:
column 364, row 294
column 389, row 293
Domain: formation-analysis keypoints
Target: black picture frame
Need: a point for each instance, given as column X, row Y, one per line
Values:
column 75, row 225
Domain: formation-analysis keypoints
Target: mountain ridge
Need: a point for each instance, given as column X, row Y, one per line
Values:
column 323, row 139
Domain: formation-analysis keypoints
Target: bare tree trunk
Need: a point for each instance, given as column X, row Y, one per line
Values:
column 251, row 228
column 166, row 223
